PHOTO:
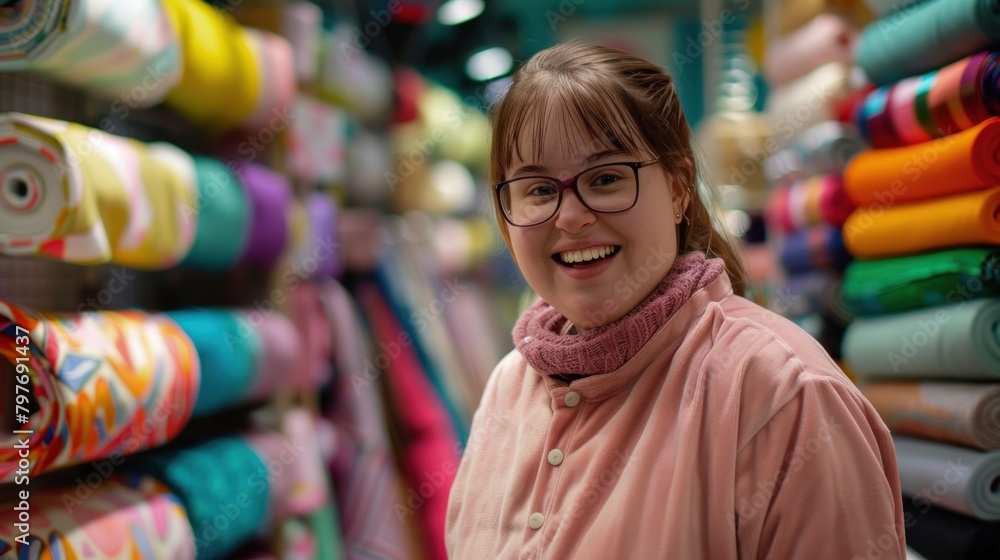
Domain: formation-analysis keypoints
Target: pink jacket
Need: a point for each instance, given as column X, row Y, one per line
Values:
column 730, row 435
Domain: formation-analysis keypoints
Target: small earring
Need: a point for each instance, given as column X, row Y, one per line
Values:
column 677, row 216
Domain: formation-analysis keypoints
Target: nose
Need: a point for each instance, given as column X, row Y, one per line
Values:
column 572, row 215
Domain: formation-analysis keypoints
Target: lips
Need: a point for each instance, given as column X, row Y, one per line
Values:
column 583, row 257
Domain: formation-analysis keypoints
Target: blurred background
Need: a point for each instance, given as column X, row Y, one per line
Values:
column 253, row 244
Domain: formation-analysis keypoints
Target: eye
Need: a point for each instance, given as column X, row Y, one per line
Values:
column 542, row 190
column 20, row 190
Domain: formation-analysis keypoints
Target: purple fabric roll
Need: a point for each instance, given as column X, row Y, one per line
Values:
column 322, row 228
column 270, row 197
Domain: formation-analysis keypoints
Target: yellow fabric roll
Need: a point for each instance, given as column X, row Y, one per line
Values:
column 81, row 195
column 221, row 82
column 876, row 231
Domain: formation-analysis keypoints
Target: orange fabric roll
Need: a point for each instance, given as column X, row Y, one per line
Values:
column 957, row 163
column 878, row 231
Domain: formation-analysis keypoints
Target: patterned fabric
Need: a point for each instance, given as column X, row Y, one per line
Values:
column 80, row 195
column 539, row 336
column 126, row 50
column 125, row 518
column 103, row 383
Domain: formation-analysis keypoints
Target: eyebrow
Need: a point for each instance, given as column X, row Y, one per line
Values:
column 589, row 160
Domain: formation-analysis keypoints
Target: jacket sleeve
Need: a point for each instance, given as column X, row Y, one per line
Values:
column 819, row 480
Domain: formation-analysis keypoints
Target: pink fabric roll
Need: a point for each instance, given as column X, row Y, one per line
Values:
column 827, row 38
column 279, row 456
column 278, row 87
column 312, row 368
column 904, row 114
column 280, row 348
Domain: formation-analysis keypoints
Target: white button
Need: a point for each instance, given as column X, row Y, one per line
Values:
column 572, row 399
column 535, row 521
column 555, row 457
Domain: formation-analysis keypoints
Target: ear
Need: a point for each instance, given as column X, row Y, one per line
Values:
column 681, row 200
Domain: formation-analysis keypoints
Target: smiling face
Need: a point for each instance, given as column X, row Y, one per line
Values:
column 593, row 267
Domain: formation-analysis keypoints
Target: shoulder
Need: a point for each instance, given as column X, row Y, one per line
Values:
column 766, row 363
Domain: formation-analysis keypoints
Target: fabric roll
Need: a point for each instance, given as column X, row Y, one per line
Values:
column 229, row 351
column 808, row 100
column 816, row 200
column 942, row 535
column 965, row 414
column 961, row 162
column 955, row 478
column 124, row 518
column 269, row 195
column 221, row 80
column 953, row 221
column 310, row 490
column 278, row 85
column 829, row 146
column 280, row 349
column 103, row 384
column 826, row 38
column 936, row 104
column 882, row 286
column 312, row 365
column 302, row 25
column 352, row 78
column 953, row 342
column 816, row 247
column 317, row 142
column 323, row 231
column 224, row 213
column 927, row 36
column 80, row 195
column 223, row 485
column 125, row 50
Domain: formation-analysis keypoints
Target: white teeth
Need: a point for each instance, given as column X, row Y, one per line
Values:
column 570, row 257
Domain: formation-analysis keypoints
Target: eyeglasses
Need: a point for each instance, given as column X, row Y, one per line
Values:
column 607, row 188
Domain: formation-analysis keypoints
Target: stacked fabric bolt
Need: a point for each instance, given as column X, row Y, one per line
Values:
column 186, row 53
column 80, row 195
column 925, row 282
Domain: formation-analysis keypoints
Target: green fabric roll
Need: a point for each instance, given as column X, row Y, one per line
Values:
column 881, row 286
column 926, row 37
column 223, row 211
column 223, row 486
column 951, row 342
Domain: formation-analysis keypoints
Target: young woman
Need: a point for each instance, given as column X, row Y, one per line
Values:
column 649, row 411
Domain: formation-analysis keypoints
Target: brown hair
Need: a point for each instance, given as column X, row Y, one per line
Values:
column 628, row 102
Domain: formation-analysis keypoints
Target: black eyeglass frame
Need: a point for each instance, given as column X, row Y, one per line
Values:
column 570, row 184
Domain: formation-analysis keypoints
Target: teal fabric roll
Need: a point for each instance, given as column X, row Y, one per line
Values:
column 881, row 286
column 127, row 50
column 229, row 351
column 224, row 212
column 926, row 37
column 223, row 486
column 953, row 342
column 963, row 480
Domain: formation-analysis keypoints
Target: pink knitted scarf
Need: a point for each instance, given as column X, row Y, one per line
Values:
column 606, row 348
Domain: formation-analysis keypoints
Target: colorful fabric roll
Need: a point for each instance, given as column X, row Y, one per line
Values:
column 882, row 286
column 224, row 212
column 317, row 142
column 816, row 200
column 78, row 194
column 302, row 25
column 278, row 86
column 927, row 36
column 808, row 100
column 960, row 413
column 952, row 342
column 269, row 195
column 958, row 163
column 826, row 38
column 102, row 384
column 221, row 83
column 124, row 518
column 969, row 476
column 312, row 365
column 224, row 486
column 942, row 102
column 819, row 246
column 124, row 50
column 952, row 221
column 280, row 350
